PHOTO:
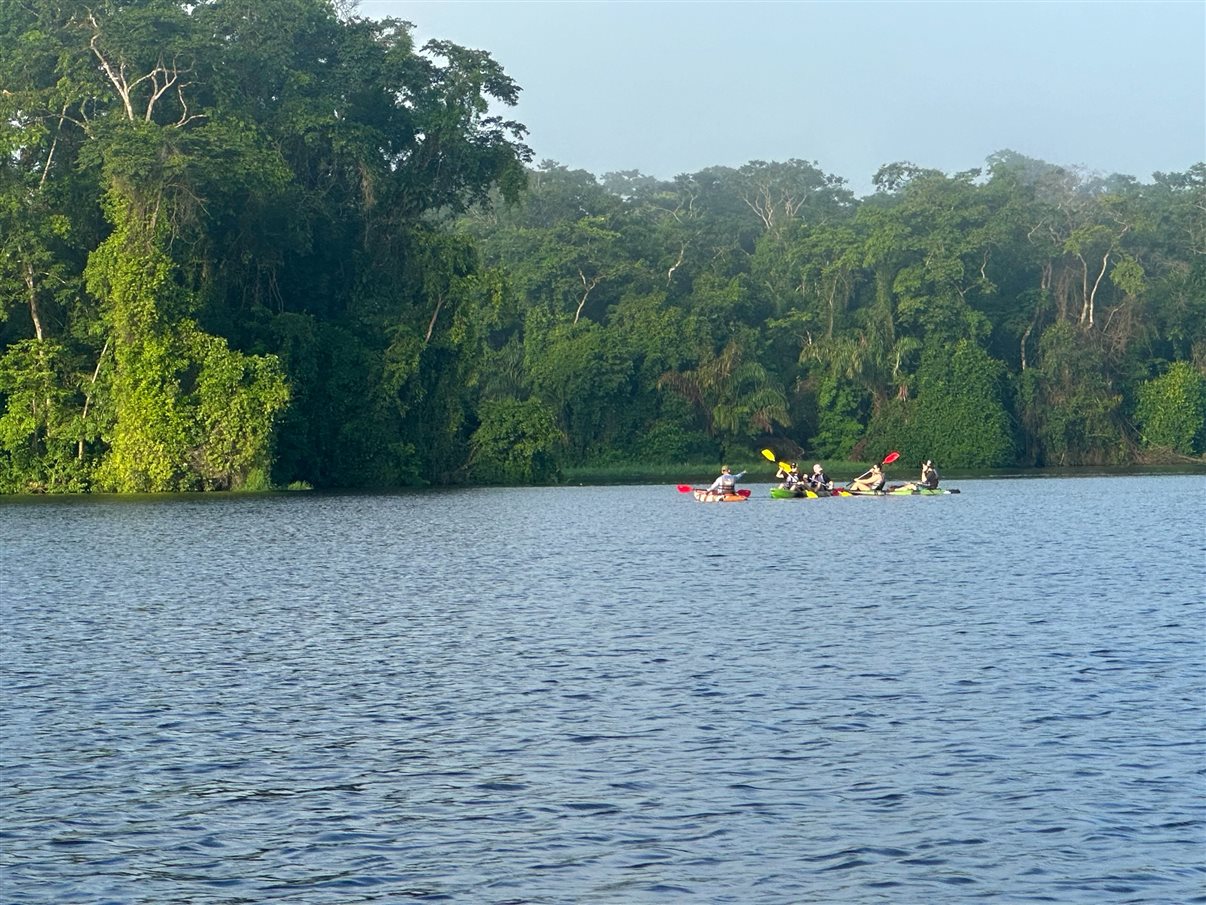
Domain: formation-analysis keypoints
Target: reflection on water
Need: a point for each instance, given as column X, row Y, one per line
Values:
column 607, row 695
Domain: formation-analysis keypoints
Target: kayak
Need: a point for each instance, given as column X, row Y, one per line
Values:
column 795, row 493
column 899, row 491
column 782, row 493
column 704, row 495
column 707, row 496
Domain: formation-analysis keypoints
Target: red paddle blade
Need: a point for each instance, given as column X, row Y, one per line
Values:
column 891, row 457
column 743, row 492
column 684, row 488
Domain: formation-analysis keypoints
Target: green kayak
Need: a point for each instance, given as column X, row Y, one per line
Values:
column 785, row 493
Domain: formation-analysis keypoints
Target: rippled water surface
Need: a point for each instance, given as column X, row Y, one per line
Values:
column 611, row 695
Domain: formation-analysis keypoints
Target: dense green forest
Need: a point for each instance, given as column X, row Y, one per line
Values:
column 252, row 244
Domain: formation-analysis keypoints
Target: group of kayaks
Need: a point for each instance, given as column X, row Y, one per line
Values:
column 703, row 495
column 805, row 492
column 796, row 493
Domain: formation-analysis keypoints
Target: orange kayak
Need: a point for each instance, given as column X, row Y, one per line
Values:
column 707, row 496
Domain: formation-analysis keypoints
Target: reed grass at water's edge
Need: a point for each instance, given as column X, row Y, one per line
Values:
column 762, row 471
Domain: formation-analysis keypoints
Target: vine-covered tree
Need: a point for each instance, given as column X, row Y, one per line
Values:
column 267, row 174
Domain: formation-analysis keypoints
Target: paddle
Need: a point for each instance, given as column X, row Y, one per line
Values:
column 770, row 456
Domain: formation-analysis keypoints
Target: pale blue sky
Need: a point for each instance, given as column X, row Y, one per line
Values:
column 674, row 87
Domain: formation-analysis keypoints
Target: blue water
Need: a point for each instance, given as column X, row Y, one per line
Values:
column 607, row 695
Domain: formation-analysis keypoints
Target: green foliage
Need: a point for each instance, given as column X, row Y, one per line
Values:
column 584, row 377
column 149, row 440
column 516, row 443
column 353, row 418
column 839, row 426
column 1171, row 412
column 40, row 431
column 1069, row 404
column 289, row 168
column 736, row 396
column 895, row 426
column 668, row 442
column 318, row 257
column 188, row 412
column 750, row 404
column 657, row 335
column 961, row 417
column 238, row 398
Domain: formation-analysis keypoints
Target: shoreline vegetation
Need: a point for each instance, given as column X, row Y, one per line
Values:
column 669, row 475
column 756, row 474
column 228, row 266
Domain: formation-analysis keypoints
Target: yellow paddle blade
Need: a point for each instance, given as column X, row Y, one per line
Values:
column 768, row 455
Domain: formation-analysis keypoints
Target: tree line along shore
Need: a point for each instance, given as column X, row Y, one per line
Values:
column 246, row 246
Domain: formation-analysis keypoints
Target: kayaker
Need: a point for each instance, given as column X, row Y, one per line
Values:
column 791, row 477
column 929, row 475
column 929, row 478
column 727, row 482
column 818, row 480
column 871, row 481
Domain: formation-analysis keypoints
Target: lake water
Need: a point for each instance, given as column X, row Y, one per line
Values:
column 607, row 695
